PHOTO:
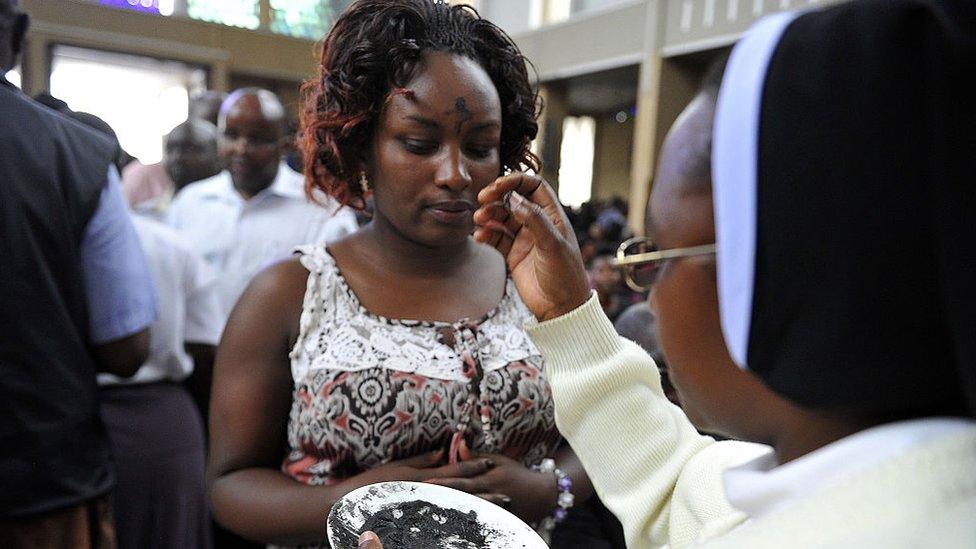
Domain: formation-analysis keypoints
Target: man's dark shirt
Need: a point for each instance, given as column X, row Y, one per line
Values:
column 53, row 449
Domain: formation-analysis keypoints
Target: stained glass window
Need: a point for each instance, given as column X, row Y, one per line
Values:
column 147, row 6
column 302, row 18
column 236, row 13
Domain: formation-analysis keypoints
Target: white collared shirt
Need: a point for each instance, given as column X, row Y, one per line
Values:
column 238, row 238
column 761, row 487
column 188, row 308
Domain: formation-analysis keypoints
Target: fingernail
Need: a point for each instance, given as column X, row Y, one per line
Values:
column 514, row 200
column 366, row 538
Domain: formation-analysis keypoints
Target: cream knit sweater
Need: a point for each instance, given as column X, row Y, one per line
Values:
column 664, row 481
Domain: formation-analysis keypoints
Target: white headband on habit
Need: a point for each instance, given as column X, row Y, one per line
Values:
column 735, row 164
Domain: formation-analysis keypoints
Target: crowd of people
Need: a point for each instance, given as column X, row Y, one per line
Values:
column 213, row 350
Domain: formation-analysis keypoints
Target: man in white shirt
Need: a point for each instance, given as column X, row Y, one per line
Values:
column 254, row 212
column 189, row 154
column 189, row 312
column 155, row 429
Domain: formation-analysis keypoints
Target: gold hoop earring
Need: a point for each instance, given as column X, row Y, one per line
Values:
column 363, row 182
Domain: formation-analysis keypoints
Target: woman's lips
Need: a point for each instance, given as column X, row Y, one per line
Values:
column 455, row 212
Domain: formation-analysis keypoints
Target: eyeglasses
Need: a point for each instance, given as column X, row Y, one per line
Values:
column 641, row 261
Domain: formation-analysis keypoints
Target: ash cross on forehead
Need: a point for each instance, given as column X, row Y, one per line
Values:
column 463, row 114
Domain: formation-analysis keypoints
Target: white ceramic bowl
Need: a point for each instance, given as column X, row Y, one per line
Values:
column 502, row 529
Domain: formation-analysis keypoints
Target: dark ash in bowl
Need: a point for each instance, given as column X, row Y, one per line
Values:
column 423, row 525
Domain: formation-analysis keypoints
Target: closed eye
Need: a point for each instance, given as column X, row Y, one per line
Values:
column 419, row 146
column 480, row 152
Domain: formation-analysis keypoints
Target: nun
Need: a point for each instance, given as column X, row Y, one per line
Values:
column 812, row 265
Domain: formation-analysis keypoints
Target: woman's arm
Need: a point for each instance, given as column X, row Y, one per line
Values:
column 249, row 408
column 252, row 397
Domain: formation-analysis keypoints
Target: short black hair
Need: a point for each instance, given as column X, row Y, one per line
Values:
column 122, row 158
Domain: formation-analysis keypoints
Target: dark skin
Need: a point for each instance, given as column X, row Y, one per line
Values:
column 426, row 164
column 201, row 380
column 716, row 395
column 122, row 357
column 252, row 139
column 190, row 152
column 206, row 106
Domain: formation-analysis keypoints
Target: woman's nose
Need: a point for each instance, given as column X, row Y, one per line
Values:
column 453, row 172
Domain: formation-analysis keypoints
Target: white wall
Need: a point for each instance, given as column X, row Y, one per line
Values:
column 511, row 15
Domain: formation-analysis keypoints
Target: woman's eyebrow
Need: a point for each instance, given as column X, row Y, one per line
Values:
column 423, row 121
column 486, row 126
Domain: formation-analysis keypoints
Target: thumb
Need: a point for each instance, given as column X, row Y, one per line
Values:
column 369, row 540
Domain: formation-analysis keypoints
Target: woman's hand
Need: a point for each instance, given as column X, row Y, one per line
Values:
column 528, row 494
column 419, row 468
column 537, row 241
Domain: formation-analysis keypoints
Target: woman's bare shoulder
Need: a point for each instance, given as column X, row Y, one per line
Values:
column 275, row 295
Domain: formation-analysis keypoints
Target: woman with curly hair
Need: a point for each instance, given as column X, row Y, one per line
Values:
column 397, row 353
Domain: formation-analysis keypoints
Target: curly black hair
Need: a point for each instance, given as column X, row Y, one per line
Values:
column 372, row 52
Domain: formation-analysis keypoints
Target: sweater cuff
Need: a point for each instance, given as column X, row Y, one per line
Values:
column 576, row 339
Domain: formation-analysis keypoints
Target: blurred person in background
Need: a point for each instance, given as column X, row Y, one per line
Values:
column 189, row 154
column 612, row 221
column 77, row 298
column 206, row 105
column 606, row 280
column 154, row 425
column 293, row 154
column 590, row 249
column 122, row 159
column 254, row 212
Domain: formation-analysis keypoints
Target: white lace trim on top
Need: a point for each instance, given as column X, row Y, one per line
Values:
column 338, row 333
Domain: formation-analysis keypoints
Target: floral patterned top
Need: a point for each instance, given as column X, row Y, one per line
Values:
column 368, row 389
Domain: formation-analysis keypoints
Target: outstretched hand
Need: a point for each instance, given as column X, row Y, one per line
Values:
column 522, row 218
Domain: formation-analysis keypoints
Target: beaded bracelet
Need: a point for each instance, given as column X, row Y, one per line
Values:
column 563, row 502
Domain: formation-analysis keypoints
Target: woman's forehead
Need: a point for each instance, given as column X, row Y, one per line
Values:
column 446, row 85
